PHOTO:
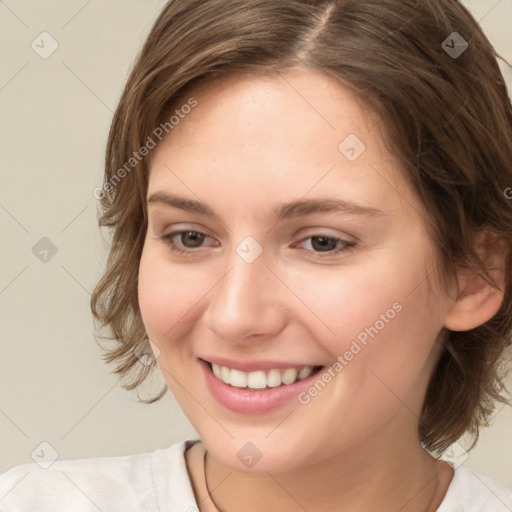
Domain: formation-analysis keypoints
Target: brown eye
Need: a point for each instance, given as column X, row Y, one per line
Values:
column 325, row 246
column 323, row 243
column 191, row 238
column 183, row 242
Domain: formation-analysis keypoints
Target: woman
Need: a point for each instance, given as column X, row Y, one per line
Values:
column 311, row 224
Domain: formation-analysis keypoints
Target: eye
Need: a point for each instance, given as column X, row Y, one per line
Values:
column 322, row 244
column 328, row 245
column 187, row 238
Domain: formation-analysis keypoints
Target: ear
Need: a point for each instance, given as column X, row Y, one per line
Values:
column 478, row 301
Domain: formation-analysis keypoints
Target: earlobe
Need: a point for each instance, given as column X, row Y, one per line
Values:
column 478, row 300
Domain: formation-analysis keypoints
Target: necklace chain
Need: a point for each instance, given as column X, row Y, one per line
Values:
column 206, row 484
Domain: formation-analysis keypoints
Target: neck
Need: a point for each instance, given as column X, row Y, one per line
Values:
column 382, row 478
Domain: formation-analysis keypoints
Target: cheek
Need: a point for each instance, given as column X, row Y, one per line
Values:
column 384, row 330
column 347, row 301
column 379, row 314
column 167, row 294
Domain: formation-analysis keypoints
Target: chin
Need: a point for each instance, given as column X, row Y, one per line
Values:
column 256, row 457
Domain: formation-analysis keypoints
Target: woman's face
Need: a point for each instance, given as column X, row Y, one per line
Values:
column 303, row 246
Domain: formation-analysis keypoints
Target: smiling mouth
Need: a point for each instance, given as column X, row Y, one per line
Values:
column 260, row 379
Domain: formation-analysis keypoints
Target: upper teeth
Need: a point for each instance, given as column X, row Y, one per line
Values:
column 260, row 379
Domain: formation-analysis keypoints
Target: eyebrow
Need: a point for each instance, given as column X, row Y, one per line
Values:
column 281, row 212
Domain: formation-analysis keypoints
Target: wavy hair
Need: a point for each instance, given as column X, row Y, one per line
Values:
column 447, row 116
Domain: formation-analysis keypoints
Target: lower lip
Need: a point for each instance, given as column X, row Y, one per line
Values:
column 245, row 401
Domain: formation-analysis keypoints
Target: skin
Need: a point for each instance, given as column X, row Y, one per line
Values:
column 251, row 143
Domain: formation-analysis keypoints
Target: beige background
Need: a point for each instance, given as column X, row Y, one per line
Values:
column 55, row 114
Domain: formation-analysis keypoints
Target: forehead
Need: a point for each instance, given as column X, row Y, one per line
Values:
column 254, row 137
column 276, row 100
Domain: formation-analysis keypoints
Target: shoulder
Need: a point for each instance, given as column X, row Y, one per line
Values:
column 124, row 483
column 471, row 491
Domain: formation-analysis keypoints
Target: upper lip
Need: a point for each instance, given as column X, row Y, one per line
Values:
column 252, row 366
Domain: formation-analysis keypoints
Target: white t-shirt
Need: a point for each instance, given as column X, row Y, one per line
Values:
column 159, row 481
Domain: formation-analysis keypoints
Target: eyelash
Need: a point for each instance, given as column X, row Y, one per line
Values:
column 168, row 239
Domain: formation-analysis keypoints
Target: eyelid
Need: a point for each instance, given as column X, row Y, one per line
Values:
column 330, row 232
column 183, row 226
column 176, row 232
column 309, row 232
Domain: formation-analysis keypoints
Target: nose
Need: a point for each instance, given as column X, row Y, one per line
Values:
column 247, row 302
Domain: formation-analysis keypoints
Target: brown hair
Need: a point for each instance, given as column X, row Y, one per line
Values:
column 446, row 116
